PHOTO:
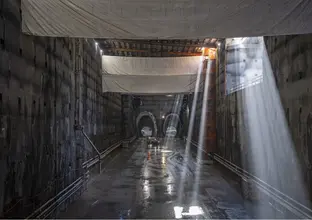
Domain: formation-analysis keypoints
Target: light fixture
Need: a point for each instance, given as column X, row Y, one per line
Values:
column 163, row 117
column 96, row 43
column 101, row 51
column 169, row 95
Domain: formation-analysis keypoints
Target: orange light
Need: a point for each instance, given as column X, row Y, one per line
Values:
column 209, row 53
column 148, row 155
column 212, row 53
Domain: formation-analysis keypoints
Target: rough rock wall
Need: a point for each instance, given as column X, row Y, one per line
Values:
column 39, row 82
column 290, row 58
column 129, row 129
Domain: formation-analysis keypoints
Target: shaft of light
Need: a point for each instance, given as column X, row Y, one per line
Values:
column 190, row 132
column 202, row 133
column 271, row 153
column 176, row 109
column 173, row 120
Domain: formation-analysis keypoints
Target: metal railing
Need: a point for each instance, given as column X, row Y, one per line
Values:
column 47, row 209
column 91, row 162
column 284, row 200
column 194, row 143
column 295, row 207
column 52, row 204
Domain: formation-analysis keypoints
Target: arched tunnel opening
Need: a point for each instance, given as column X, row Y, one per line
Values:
column 172, row 126
column 146, row 125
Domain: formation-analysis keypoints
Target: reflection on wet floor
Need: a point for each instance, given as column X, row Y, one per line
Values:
column 143, row 181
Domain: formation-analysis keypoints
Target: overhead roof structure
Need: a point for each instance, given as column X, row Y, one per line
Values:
column 163, row 19
column 155, row 48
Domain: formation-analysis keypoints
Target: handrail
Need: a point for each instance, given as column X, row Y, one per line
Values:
column 42, row 209
column 92, row 161
column 47, row 208
column 196, row 144
column 283, row 199
column 288, row 202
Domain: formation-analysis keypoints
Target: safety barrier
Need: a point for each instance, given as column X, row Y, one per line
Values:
column 52, row 204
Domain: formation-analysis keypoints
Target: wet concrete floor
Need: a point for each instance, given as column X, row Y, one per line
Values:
column 144, row 182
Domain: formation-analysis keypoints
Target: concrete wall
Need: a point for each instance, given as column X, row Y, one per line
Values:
column 290, row 58
column 40, row 79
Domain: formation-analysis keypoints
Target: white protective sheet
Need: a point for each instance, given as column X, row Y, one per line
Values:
column 150, row 75
column 149, row 84
column 150, row 65
column 152, row 19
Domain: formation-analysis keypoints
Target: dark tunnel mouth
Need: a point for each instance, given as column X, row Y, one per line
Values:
column 152, row 125
column 167, row 124
column 147, row 123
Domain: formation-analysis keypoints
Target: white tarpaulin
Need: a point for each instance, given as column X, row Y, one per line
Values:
column 150, row 75
column 150, row 65
column 149, row 84
column 179, row 19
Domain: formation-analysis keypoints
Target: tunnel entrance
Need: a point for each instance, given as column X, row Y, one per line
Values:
column 146, row 125
column 172, row 125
